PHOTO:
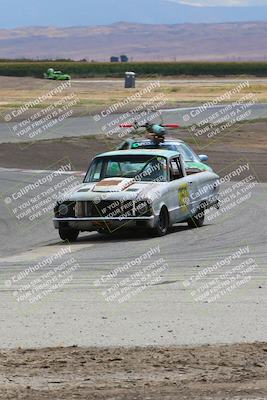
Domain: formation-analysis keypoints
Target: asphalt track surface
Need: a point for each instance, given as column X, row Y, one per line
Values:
column 163, row 314
column 105, row 123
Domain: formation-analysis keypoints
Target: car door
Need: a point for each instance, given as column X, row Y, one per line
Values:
column 181, row 189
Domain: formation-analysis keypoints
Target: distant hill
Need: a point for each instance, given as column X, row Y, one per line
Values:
column 225, row 41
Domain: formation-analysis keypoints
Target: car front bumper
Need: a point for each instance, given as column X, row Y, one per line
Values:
column 94, row 223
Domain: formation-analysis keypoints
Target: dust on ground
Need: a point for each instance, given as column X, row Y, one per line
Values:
column 214, row 372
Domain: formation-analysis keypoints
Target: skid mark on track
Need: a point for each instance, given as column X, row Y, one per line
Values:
column 44, row 251
column 165, row 283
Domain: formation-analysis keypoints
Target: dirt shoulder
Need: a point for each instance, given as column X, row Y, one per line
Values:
column 97, row 94
column 248, row 143
column 207, row 372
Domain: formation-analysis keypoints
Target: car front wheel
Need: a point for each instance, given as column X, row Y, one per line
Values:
column 162, row 225
column 68, row 234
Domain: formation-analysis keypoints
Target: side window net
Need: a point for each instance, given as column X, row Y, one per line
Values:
column 176, row 170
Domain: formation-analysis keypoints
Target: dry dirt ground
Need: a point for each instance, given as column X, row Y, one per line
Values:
column 248, row 142
column 207, row 372
column 95, row 96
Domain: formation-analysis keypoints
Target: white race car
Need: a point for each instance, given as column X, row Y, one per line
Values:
column 148, row 189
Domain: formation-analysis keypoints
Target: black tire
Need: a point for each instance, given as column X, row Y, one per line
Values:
column 162, row 226
column 104, row 231
column 198, row 219
column 68, row 234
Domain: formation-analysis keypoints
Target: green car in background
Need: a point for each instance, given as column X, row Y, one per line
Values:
column 56, row 75
column 194, row 163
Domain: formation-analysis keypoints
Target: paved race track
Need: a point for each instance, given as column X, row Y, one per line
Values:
column 165, row 313
column 84, row 126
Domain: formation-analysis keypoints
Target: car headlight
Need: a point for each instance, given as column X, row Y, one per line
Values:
column 63, row 210
column 142, row 208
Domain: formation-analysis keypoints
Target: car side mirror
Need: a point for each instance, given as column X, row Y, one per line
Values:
column 203, row 157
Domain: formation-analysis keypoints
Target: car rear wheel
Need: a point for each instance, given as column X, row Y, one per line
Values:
column 162, row 224
column 68, row 234
column 198, row 219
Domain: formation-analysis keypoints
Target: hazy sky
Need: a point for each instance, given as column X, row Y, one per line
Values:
column 16, row 13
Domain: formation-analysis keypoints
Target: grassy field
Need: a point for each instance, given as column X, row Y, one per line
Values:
column 92, row 69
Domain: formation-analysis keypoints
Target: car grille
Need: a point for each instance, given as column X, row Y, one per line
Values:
column 112, row 209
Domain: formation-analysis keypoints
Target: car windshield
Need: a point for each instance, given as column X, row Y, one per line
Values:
column 187, row 153
column 140, row 167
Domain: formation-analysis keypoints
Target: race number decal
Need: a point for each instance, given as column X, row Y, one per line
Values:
column 184, row 197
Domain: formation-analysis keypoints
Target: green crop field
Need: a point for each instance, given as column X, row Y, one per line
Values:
column 88, row 69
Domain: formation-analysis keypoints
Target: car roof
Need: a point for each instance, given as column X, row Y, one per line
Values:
column 143, row 152
column 166, row 141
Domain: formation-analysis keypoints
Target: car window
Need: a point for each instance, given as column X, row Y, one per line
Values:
column 174, row 166
column 113, row 168
column 124, row 146
column 94, row 172
column 151, row 145
column 176, row 169
column 187, row 153
column 141, row 168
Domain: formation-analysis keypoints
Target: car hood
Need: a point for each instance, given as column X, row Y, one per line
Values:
column 114, row 189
